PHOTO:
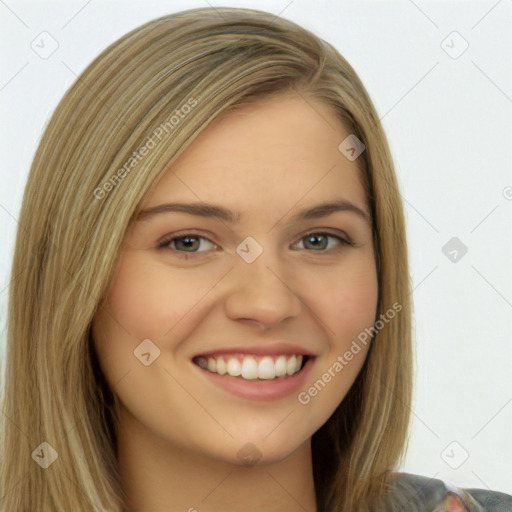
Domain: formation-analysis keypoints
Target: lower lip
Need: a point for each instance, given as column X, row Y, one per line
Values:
column 260, row 389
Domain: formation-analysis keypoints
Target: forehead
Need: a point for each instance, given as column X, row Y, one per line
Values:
column 268, row 154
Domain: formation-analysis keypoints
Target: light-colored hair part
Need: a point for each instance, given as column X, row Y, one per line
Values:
column 68, row 245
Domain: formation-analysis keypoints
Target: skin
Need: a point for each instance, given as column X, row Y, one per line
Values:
column 179, row 432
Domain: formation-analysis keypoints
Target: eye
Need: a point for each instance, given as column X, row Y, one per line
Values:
column 320, row 241
column 185, row 243
column 189, row 243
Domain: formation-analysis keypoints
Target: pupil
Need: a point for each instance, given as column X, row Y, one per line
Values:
column 187, row 241
column 315, row 238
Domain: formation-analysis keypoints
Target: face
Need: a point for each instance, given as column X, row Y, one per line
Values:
column 272, row 293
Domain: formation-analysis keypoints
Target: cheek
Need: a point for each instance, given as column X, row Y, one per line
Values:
column 346, row 301
column 148, row 300
column 346, row 304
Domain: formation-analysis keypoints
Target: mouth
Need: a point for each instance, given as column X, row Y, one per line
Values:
column 253, row 367
column 255, row 376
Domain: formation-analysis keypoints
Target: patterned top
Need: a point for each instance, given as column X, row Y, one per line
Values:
column 453, row 500
column 423, row 494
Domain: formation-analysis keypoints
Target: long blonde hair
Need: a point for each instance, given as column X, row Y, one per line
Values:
column 79, row 200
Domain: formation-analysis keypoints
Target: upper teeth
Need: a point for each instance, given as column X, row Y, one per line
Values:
column 253, row 367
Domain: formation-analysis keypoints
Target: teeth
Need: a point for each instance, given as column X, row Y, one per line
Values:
column 221, row 366
column 290, row 365
column 250, row 368
column 266, row 368
column 280, row 366
column 234, row 368
column 201, row 361
column 253, row 367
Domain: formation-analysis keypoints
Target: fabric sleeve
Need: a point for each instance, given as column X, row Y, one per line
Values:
column 456, row 499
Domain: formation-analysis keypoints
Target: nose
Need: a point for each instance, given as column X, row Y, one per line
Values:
column 262, row 293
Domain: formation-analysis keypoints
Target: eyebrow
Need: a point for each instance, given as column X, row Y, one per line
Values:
column 221, row 213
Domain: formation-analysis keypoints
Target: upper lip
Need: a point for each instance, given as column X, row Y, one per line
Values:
column 274, row 349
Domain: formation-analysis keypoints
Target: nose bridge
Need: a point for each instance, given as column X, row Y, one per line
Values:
column 260, row 290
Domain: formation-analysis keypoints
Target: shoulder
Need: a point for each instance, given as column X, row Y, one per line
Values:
column 436, row 495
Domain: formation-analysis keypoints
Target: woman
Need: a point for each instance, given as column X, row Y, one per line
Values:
column 212, row 310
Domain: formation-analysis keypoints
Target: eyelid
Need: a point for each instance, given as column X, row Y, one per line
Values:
column 343, row 237
column 167, row 239
column 329, row 231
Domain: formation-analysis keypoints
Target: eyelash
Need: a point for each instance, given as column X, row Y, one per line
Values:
column 164, row 244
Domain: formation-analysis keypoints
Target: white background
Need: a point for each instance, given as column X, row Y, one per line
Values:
column 449, row 125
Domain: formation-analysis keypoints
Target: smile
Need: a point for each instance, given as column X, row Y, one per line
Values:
column 270, row 371
column 253, row 367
